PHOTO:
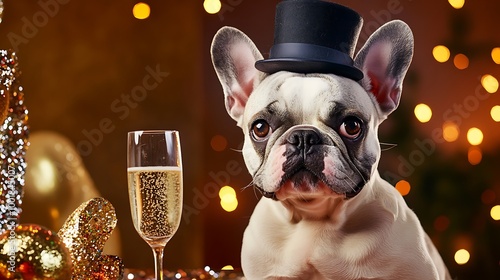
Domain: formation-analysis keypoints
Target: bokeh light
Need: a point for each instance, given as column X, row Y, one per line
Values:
column 441, row 223
column 423, row 113
column 227, row 267
column 218, row 143
column 226, row 191
column 495, row 55
column 495, row 113
column 488, row 196
column 495, row 212
column 54, row 213
column 141, row 10
column 461, row 61
column 475, row 136
column 403, row 187
column 474, row 155
column 490, row 83
column 457, row 4
column 441, row 53
column 46, row 171
column 462, row 256
column 212, row 6
column 228, row 199
column 229, row 203
column 450, row 131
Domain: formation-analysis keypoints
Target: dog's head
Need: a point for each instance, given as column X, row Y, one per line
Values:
column 312, row 135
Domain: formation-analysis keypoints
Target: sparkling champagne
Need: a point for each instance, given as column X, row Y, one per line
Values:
column 156, row 201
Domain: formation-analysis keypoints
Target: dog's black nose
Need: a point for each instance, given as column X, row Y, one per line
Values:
column 304, row 139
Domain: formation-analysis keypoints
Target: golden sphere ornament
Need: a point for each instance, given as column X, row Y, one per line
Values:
column 32, row 252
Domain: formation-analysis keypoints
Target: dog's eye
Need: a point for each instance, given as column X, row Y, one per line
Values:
column 350, row 128
column 261, row 130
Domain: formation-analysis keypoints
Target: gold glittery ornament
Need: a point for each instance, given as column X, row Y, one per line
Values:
column 109, row 267
column 85, row 232
column 33, row 252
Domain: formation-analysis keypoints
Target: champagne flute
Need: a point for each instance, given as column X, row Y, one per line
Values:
column 154, row 170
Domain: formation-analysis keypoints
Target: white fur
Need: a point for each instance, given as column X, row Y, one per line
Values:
column 392, row 246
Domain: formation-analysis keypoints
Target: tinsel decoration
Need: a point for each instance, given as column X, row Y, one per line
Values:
column 13, row 141
column 85, row 232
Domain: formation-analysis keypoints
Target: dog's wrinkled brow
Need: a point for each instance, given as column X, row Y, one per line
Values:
column 337, row 110
column 332, row 109
column 273, row 109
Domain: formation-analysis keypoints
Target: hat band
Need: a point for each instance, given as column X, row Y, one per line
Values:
column 305, row 51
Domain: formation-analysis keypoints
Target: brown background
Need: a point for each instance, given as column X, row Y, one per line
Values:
column 81, row 59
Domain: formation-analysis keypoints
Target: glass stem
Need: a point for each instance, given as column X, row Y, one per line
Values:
column 158, row 253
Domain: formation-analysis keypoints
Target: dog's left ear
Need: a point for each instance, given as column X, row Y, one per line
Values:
column 384, row 60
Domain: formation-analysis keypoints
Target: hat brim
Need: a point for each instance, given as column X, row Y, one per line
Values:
column 274, row 65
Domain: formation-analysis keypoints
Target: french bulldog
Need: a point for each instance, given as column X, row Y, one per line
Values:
column 312, row 149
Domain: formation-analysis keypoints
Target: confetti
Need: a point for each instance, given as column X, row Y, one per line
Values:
column 206, row 273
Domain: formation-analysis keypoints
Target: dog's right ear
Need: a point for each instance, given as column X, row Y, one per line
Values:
column 234, row 56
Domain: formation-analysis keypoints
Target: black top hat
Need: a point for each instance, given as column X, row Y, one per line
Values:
column 314, row 36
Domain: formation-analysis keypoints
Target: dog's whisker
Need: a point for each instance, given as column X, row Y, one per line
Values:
column 255, row 193
column 252, row 184
column 236, row 150
column 247, row 186
column 353, row 186
column 254, row 190
column 387, row 146
column 355, row 168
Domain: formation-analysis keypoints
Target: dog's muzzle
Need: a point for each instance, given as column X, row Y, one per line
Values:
column 304, row 152
column 301, row 155
column 305, row 162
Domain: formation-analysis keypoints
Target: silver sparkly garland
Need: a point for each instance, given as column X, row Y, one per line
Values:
column 13, row 142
